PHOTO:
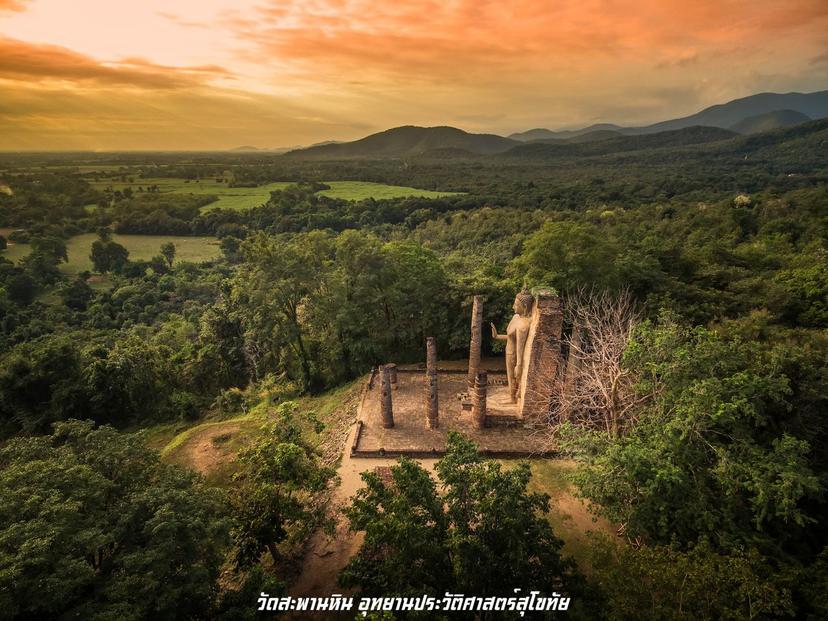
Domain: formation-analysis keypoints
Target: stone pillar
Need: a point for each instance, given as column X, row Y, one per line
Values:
column 476, row 337
column 479, row 399
column 386, row 405
column 392, row 374
column 431, row 355
column 432, row 400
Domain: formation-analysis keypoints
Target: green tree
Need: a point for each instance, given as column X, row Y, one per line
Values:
column 383, row 300
column 159, row 264
column 661, row 583
column 168, row 252
column 500, row 537
column 230, row 247
column 805, row 287
column 406, row 546
column 273, row 499
column 40, row 383
column 21, row 289
column 50, row 246
column 486, row 535
column 220, row 357
column 569, row 256
column 126, row 380
column 707, row 456
column 42, row 262
column 281, row 278
column 77, row 294
column 94, row 526
column 108, row 255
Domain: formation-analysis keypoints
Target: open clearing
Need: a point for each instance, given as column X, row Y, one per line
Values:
column 247, row 198
column 141, row 247
column 210, row 447
column 228, row 198
column 361, row 190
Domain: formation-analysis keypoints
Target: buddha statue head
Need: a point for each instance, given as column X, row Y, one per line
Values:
column 523, row 302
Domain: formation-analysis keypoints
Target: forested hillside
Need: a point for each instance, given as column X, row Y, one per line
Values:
column 716, row 476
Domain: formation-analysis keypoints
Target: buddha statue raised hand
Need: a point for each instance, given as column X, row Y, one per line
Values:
column 516, row 335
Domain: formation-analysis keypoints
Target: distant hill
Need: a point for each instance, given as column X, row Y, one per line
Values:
column 279, row 150
column 318, row 144
column 564, row 134
column 793, row 151
column 812, row 105
column 570, row 148
column 411, row 140
column 594, row 136
column 770, row 120
column 725, row 116
column 748, row 115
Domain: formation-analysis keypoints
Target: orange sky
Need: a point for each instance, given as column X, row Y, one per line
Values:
column 214, row 74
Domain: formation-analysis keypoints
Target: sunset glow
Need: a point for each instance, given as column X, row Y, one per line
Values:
column 215, row 74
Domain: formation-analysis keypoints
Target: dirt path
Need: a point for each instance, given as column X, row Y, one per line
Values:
column 326, row 556
column 204, row 451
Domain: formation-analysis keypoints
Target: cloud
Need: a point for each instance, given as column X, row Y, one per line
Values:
column 27, row 62
column 470, row 40
column 180, row 21
column 552, row 63
column 12, row 5
column 218, row 73
column 108, row 117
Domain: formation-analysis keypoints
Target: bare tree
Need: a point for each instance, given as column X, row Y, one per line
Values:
column 594, row 389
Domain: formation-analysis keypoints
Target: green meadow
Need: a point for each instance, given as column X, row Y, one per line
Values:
column 361, row 190
column 141, row 247
column 228, row 198
column 247, row 198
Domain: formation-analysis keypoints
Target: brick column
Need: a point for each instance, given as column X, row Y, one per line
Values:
column 431, row 355
column 542, row 357
column 392, row 374
column 386, row 405
column 432, row 401
column 476, row 337
column 573, row 364
column 479, row 399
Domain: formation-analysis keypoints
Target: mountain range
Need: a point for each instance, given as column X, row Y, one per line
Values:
column 748, row 115
column 761, row 109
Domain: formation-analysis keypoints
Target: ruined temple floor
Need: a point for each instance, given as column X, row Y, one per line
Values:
column 410, row 436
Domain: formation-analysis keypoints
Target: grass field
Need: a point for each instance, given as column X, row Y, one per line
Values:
column 228, row 198
column 141, row 247
column 211, row 446
column 568, row 515
column 361, row 190
column 246, row 198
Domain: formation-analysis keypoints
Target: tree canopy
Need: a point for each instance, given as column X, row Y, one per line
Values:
column 94, row 526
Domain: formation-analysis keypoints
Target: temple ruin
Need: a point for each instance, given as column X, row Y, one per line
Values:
column 499, row 402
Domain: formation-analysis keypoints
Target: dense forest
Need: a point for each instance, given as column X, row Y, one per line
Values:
column 717, row 480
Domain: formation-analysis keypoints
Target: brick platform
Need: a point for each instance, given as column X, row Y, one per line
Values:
column 508, row 437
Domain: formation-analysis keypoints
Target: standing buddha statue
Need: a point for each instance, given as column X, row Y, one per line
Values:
column 516, row 335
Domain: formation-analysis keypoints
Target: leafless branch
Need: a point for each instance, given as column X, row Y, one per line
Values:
column 594, row 389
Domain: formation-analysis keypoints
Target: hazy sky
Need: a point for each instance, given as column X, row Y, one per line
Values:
column 213, row 74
